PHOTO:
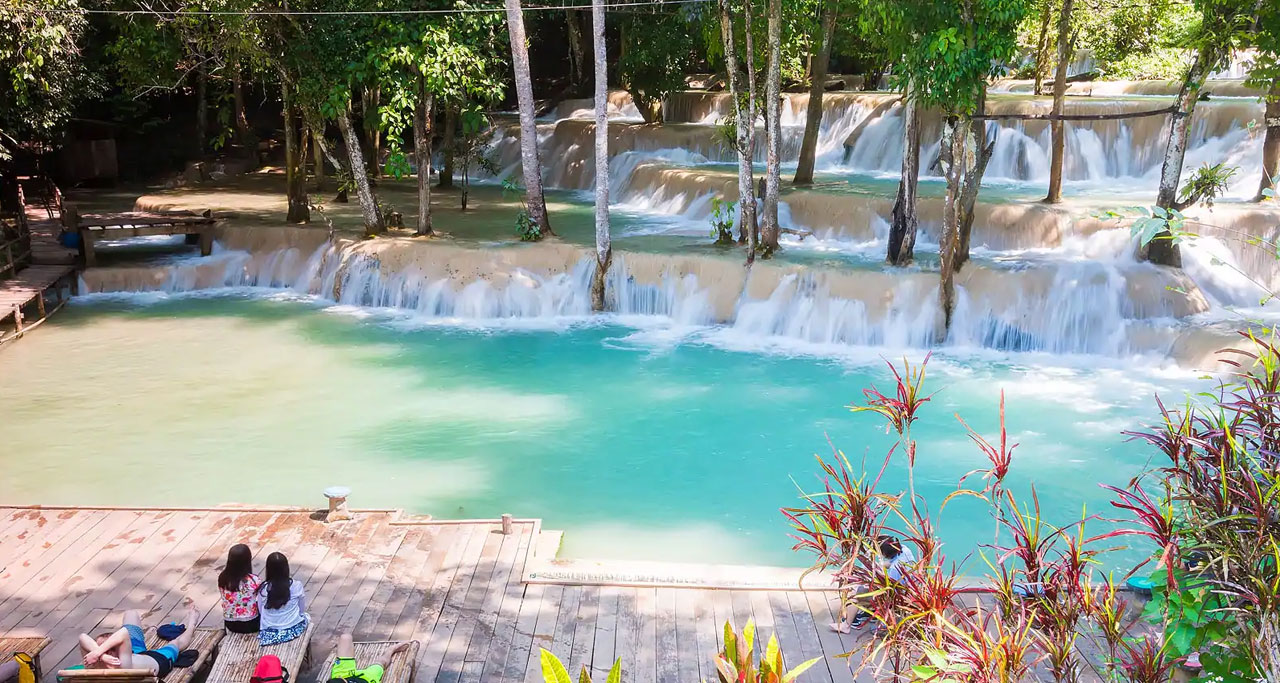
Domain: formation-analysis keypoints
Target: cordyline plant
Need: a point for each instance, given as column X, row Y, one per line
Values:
column 927, row 625
column 1213, row 512
column 735, row 663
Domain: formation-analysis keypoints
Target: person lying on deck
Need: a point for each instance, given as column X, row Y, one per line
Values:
column 345, row 669
column 127, row 648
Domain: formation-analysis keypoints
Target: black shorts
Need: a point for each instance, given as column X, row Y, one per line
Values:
column 250, row 626
column 162, row 660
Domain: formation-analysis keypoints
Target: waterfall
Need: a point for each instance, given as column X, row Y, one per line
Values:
column 1069, row 307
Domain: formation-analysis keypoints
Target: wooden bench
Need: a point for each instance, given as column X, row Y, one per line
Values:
column 206, row 640
column 32, row 645
column 403, row 664
column 240, row 652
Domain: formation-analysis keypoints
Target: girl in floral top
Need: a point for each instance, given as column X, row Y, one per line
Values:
column 239, row 588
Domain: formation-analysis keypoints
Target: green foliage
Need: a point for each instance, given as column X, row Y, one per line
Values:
column 553, row 671
column 734, row 664
column 526, row 229
column 43, row 71
column 1206, row 184
column 656, row 52
column 1136, row 41
column 722, row 220
column 1216, row 586
column 949, row 48
column 1265, row 38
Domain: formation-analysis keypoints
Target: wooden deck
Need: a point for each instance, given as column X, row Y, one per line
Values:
column 454, row 586
column 94, row 227
column 30, row 297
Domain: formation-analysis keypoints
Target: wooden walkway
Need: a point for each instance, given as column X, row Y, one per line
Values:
column 455, row 586
column 31, row 289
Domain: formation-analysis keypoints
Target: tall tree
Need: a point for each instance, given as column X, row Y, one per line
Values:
column 1221, row 23
column 529, row 160
column 1265, row 74
column 1058, row 145
column 903, row 223
column 422, row 153
column 886, row 19
column 604, row 250
column 577, row 51
column 42, row 68
column 744, row 128
column 1042, row 46
column 819, row 60
column 960, row 45
column 370, row 212
column 299, row 205
column 654, row 55
column 771, row 230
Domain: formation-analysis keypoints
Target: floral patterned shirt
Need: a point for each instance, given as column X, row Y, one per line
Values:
column 241, row 605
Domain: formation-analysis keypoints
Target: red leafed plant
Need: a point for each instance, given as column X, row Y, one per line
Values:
column 928, row 626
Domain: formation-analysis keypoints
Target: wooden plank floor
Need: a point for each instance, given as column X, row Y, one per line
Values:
column 24, row 287
column 456, row 587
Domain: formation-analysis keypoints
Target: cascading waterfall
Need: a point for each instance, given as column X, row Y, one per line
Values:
column 862, row 132
column 1074, row 307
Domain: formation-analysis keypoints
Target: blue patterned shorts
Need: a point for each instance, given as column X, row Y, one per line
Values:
column 274, row 636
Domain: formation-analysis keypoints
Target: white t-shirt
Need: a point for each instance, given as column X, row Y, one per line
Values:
column 899, row 565
column 288, row 614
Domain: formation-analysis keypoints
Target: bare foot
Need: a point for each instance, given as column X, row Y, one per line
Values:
column 840, row 627
column 193, row 618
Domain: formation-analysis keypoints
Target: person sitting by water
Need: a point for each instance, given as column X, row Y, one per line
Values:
column 895, row 560
column 282, row 604
column 127, row 648
column 239, row 588
column 345, row 668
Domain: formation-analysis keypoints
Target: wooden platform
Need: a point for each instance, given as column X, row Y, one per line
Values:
column 94, row 227
column 30, row 297
column 456, row 587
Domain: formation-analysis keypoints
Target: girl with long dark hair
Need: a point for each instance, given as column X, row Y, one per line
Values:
column 282, row 604
column 239, row 588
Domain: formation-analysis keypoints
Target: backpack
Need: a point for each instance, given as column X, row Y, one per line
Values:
column 26, row 668
column 269, row 670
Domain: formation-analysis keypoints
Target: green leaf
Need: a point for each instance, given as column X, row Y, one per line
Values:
column 552, row 670
column 615, row 674
column 792, row 674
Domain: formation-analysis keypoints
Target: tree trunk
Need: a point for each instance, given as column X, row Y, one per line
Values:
column 317, row 138
column 368, row 203
column 773, row 131
column 1042, row 45
column 972, row 183
column 1058, row 146
column 1270, row 144
column 241, row 122
column 753, row 112
column 818, row 63
column 902, row 230
column 953, row 151
column 604, row 250
column 746, row 175
column 529, row 161
column 422, row 155
column 577, row 52
column 299, row 210
column 1162, row 250
column 369, row 121
column 202, row 109
column 447, row 145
